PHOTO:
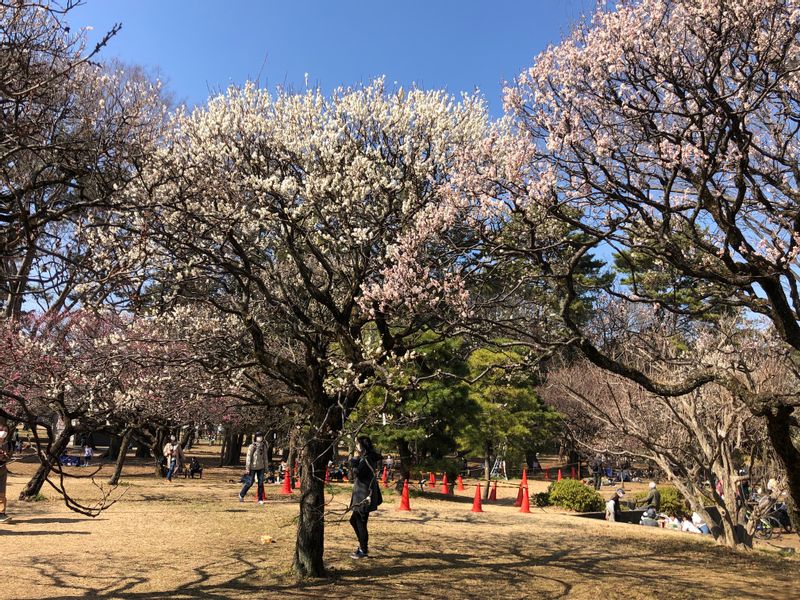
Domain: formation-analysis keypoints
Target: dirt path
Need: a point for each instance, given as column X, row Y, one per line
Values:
column 192, row 539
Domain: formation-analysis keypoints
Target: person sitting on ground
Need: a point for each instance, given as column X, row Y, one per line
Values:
column 700, row 523
column 649, row 518
column 195, row 468
column 613, row 510
column 653, row 498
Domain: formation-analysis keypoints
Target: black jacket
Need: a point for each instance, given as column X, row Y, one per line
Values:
column 365, row 483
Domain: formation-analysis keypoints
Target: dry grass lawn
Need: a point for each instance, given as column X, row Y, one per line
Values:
column 192, row 539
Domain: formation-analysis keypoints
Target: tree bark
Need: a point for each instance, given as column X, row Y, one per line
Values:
column 113, row 447
column 310, row 544
column 404, row 454
column 231, row 453
column 57, row 447
column 123, row 451
column 142, row 448
column 487, row 469
column 291, row 455
column 780, row 435
column 157, row 450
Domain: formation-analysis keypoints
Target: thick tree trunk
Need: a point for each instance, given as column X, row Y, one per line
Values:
column 185, row 439
column 291, row 455
column 404, row 454
column 310, row 544
column 123, row 451
column 113, row 447
column 487, row 470
column 57, row 447
column 157, row 450
column 270, row 439
column 231, row 453
column 780, row 435
column 142, row 449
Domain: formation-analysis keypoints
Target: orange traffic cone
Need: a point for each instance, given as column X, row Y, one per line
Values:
column 297, row 484
column 327, row 475
column 526, row 504
column 287, row 484
column 445, row 486
column 460, row 483
column 572, row 473
column 559, row 475
column 522, row 485
column 476, row 503
column 547, row 474
column 385, row 477
column 404, row 505
column 432, row 480
column 493, row 492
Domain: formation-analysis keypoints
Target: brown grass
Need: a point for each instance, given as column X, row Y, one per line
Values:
column 192, row 539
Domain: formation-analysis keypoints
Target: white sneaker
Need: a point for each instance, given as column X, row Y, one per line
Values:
column 261, row 502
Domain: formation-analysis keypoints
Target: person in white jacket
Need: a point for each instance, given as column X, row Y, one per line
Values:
column 173, row 456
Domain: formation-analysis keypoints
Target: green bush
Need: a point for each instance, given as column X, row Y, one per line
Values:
column 575, row 495
column 541, row 499
column 451, row 466
column 672, row 501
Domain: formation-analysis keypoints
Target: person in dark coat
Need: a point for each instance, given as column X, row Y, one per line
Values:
column 366, row 492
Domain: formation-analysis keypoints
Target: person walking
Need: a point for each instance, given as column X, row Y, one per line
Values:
column 389, row 462
column 597, row 470
column 254, row 467
column 366, row 492
column 173, row 453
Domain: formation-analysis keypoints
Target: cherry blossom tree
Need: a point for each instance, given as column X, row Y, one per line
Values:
column 663, row 132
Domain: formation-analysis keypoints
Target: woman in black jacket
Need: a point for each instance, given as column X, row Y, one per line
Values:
column 366, row 492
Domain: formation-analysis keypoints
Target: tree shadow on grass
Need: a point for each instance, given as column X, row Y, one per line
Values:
column 43, row 520
column 519, row 564
column 9, row 532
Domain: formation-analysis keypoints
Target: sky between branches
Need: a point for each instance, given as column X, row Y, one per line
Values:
column 203, row 46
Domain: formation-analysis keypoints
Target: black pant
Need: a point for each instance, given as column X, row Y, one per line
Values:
column 598, row 477
column 359, row 522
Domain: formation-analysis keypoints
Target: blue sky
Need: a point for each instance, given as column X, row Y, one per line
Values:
column 202, row 46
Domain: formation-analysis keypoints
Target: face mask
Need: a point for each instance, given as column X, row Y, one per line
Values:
column 172, row 439
column 259, row 439
column 3, row 434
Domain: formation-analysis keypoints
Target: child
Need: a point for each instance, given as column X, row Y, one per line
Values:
column 87, row 453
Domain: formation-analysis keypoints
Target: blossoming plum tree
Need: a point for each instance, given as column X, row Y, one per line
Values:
column 284, row 212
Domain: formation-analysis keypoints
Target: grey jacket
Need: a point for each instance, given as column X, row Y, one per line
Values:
column 256, row 457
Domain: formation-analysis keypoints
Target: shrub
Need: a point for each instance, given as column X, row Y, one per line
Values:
column 574, row 495
column 672, row 501
column 541, row 499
